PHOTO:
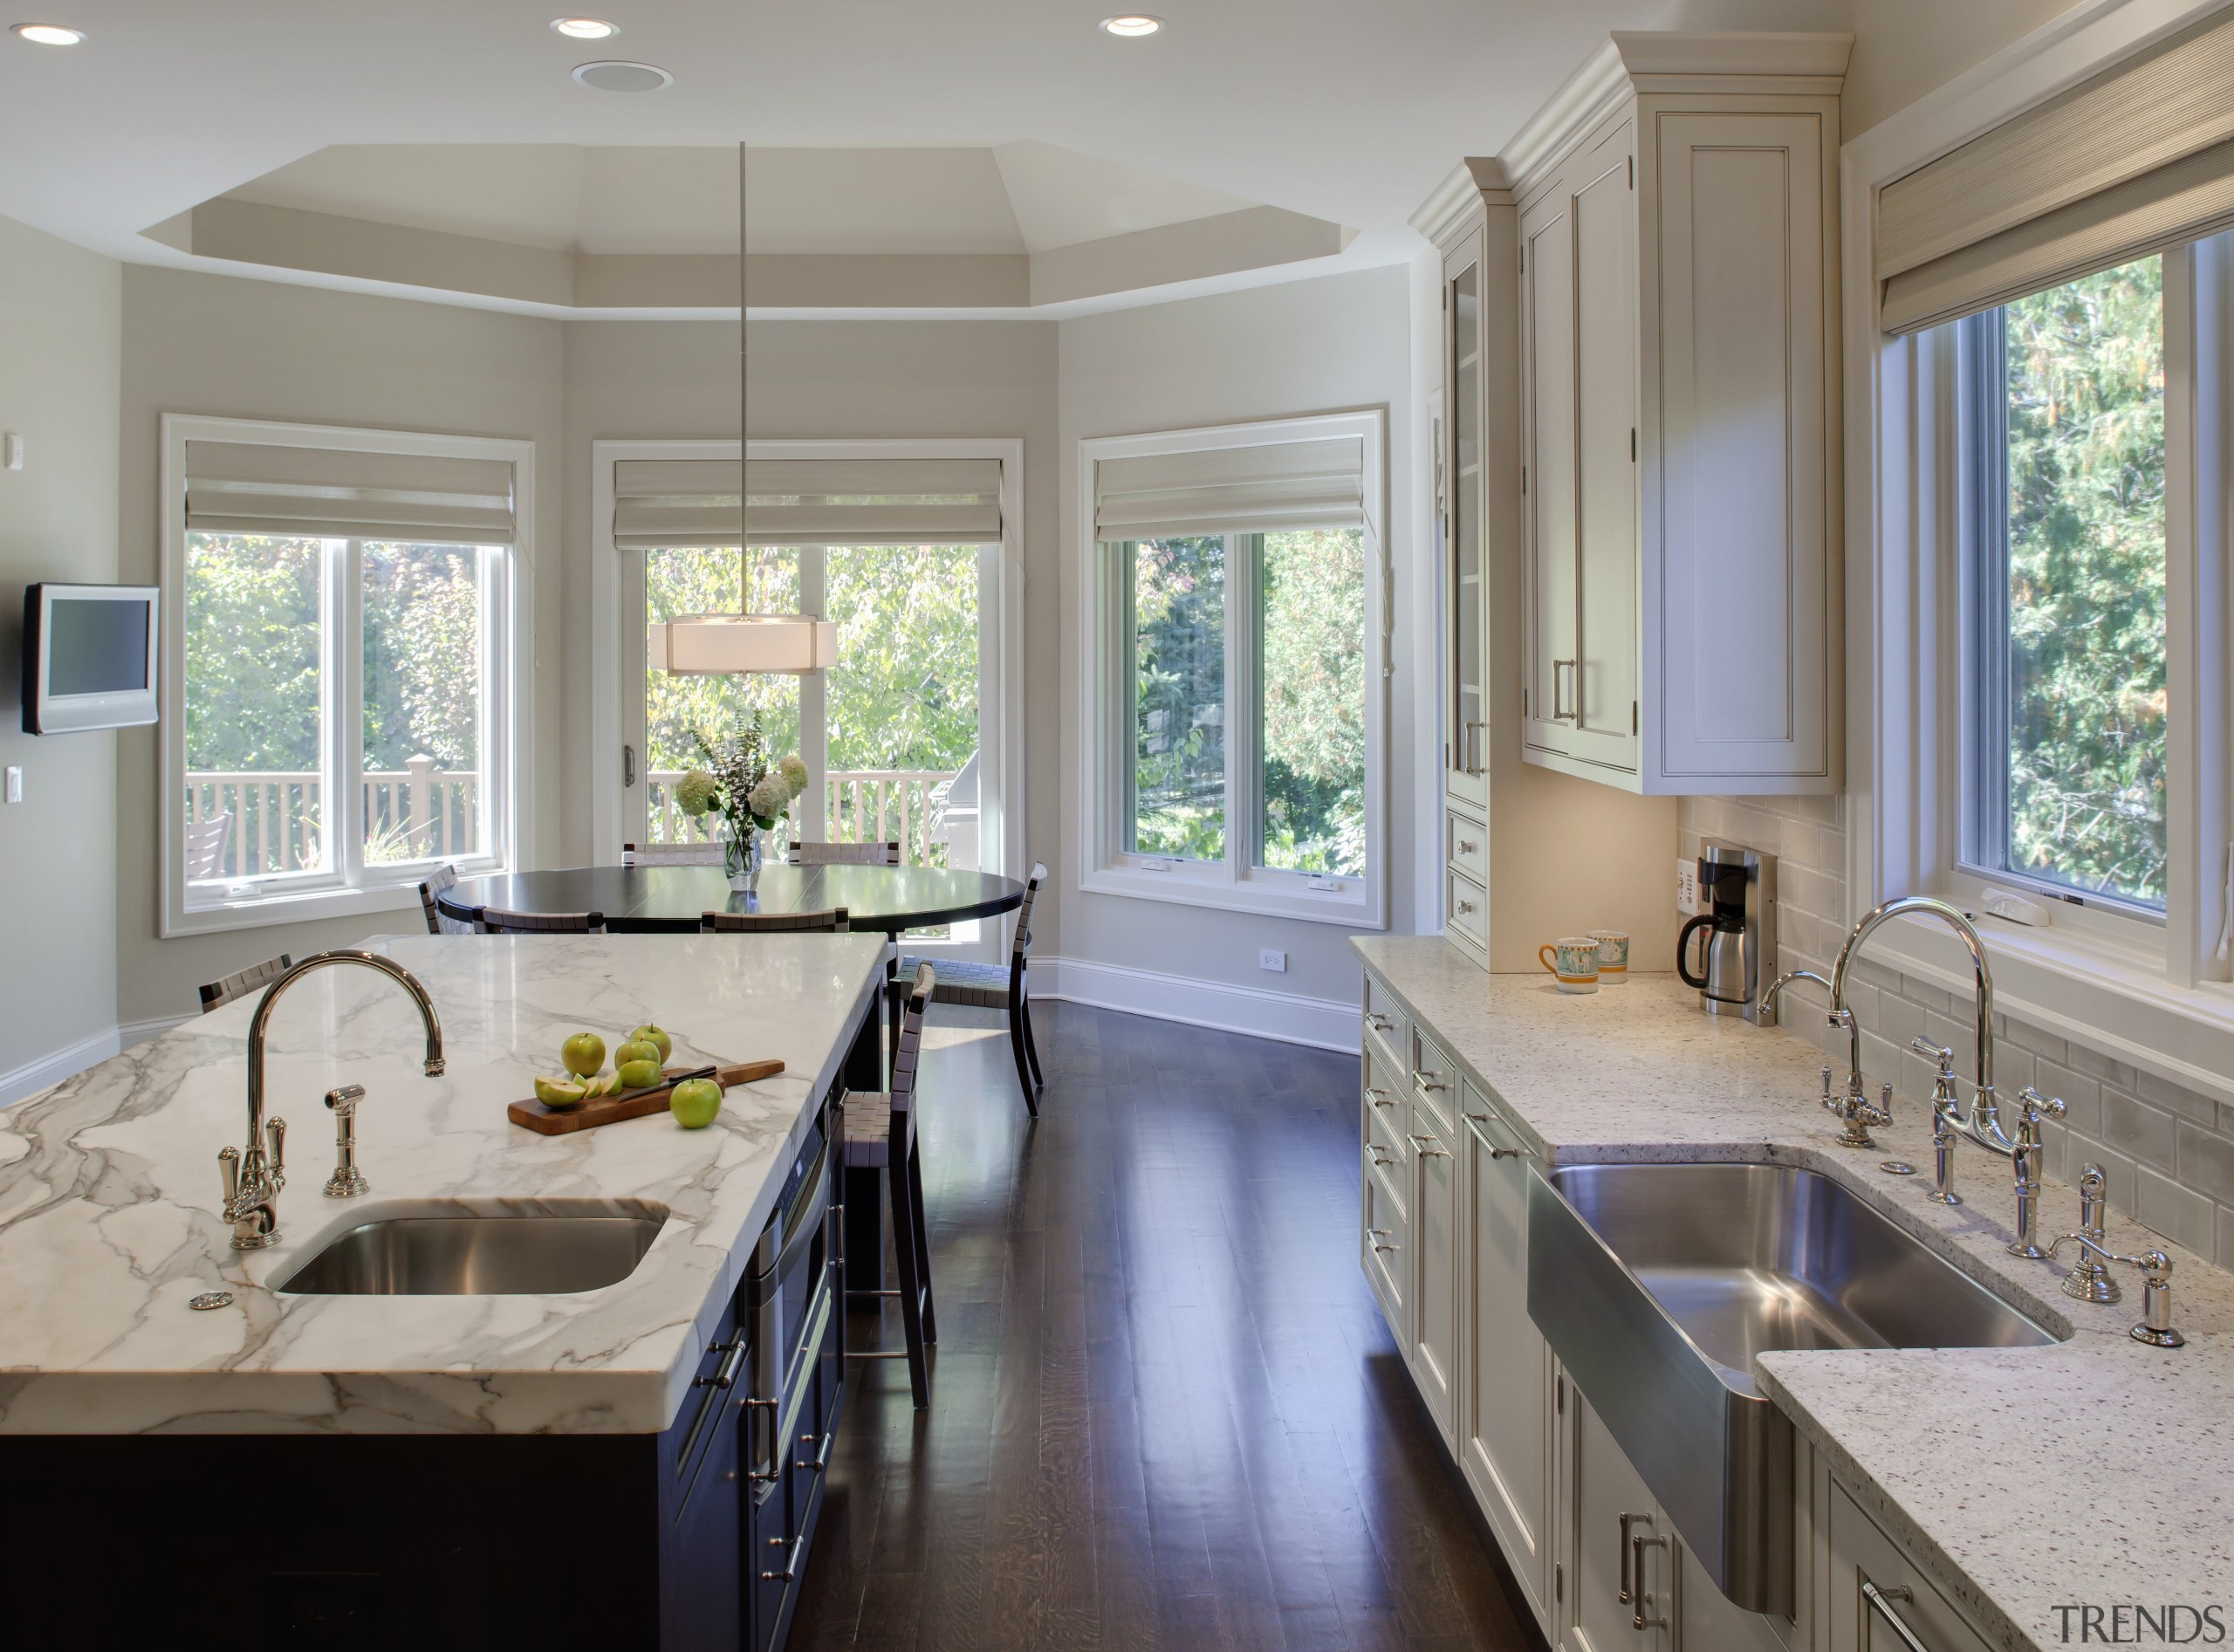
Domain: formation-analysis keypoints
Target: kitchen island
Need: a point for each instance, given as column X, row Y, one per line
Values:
column 385, row 1470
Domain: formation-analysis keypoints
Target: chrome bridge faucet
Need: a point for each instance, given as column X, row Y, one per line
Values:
column 253, row 1177
column 1980, row 1123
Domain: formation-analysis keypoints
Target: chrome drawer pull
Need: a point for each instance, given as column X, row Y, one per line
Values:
column 791, row 1561
column 821, row 1460
column 1425, row 1145
column 1478, row 1119
column 1880, row 1602
column 1379, row 1023
column 1378, row 1097
column 1380, row 1164
column 1467, row 846
column 1429, row 1081
column 1464, row 905
column 1375, row 1235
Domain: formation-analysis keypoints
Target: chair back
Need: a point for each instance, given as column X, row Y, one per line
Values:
column 496, row 920
column 832, row 921
column 854, row 854
column 1020, row 948
column 707, row 852
column 440, row 883
column 908, row 1048
column 205, row 845
column 217, row 994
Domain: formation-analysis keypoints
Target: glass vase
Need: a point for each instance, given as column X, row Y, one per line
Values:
column 741, row 858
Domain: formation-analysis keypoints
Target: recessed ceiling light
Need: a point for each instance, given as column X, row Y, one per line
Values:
column 1132, row 25
column 585, row 28
column 49, row 34
column 613, row 76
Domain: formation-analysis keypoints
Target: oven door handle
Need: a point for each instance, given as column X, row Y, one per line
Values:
column 805, row 1230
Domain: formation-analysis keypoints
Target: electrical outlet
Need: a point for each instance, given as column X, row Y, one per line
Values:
column 1687, row 887
column 15, row 783
column 1276, row 961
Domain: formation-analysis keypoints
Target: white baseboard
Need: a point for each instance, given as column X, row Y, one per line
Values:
column 1325, row 1023
column 66, row 1063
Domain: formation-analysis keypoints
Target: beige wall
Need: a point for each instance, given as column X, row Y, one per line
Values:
column 58, row 353
column 1905, row 48
column 211, row 344
column 835, row 378
column 1338, row 342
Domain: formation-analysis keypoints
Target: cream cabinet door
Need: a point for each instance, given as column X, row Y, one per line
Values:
column 1548, row 466
column 1879, row 1601
column 1434, row 1353
column 1617, row 1576
column 1748, row 328
column 1460, row 477
column 1504, row 1405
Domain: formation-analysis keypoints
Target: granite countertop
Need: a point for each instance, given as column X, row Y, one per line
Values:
column 109, row 1193
column 2094, row 1470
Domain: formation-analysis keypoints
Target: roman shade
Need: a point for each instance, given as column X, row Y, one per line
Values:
column 673, row 504
column 2138, row 159
column 244, row 487
column 1314, row 483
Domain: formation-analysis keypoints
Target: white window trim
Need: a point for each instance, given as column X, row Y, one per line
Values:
column 510, row 719
column 2153, row 995
column 1106, row 867
column 1000, row 712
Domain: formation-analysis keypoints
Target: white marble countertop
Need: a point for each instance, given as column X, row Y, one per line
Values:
column 2097, row 1470
column 109, row 1193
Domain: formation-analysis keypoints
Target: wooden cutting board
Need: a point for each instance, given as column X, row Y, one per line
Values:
column 629, row 1104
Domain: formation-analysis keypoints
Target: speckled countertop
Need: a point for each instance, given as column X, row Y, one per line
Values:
column 2096, row 1469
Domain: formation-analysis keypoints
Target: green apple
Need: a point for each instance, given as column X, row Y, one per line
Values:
column 649, row 1034
column 637, row 1050
column 583, row 1054
column 695, row 1103
column 559, row 1094
column 639, row 1075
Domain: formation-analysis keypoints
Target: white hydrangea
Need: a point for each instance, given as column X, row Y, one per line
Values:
column 771, row 796
column 794, row 773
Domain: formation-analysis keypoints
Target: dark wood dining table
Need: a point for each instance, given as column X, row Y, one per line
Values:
column 671, row 900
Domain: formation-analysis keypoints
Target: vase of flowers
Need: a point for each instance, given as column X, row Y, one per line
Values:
column 748, row 794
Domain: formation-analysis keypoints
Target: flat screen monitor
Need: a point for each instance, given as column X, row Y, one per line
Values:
column 89, row 656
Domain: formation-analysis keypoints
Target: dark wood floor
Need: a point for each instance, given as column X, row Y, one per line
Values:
column 1166, row 1412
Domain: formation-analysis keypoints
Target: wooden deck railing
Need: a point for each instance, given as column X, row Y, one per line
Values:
column 861, row 805
column 416, row 812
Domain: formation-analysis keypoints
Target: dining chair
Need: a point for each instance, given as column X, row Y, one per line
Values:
column 992, row 986
column 496, row 920
column 205, row 846
column 881, row 1136
column 831, row 922
column 847, row 855
column 215, row 995
column 705, row 852
column 440, row 882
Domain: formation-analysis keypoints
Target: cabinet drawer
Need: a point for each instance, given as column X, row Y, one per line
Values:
column 1382, row 1016
column 1388, row 1242
column 1387, row 1106
column 1466, row 907
column 1466, row 845
column 1876, row 1592
column 1435, row 1081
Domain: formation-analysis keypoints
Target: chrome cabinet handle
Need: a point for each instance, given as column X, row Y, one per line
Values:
column 1474, row 747
column 1558, row 715
column 1464, row 905
column 1375, row 1235
column 822, row 1459
column 1478, row 1119
column 1379, row 1023
column 1378, row 1097
column 1880, row 1601
column 1425, row 1145
column 1638, row 1544
column 1426, row 1081
column 1625, row 1595
column 790, row 1561
column 1380, row 1163
column 1467, row 846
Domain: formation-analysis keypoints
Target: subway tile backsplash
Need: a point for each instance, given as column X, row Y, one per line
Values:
column 2169, row 1153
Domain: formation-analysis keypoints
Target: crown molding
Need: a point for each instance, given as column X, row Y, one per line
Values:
column 1475, row 181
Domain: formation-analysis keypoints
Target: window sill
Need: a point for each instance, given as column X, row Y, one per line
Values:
column 269, row 910
column 1357, row 907
column 2114, row 1000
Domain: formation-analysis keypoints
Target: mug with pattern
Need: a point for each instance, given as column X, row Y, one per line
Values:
column 1612, row 955
column 1573, row 961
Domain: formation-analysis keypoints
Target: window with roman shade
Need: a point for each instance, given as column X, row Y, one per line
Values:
column 679, row 503
column 1314, row 483
column 2135, row 161
column 242, row 487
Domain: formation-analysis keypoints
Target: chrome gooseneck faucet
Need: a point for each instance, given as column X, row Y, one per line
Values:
column 253, row 1177
column 1981, row 1122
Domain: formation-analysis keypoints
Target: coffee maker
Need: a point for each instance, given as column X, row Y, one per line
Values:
column 1737, row 892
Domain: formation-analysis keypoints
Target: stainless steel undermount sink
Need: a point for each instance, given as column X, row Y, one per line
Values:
column 552, row 1247
column 1657, row 1283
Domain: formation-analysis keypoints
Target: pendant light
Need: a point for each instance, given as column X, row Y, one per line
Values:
column 703, row 645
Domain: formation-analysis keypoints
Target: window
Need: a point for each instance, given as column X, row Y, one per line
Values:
column 339, row 621
column 1234, row 724
column 2067, row 713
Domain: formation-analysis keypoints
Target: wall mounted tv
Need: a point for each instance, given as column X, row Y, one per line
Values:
column 89, row 656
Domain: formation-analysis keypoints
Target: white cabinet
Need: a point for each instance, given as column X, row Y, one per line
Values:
column 1504, row 1403
column 1433, row 1351
column 1879, row 1601
column 1678, row 315
column 1459, row 461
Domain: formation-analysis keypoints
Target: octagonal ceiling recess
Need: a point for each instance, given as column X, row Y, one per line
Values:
column 1008, row 226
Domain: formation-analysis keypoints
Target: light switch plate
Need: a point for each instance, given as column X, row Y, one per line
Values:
column 15, row 783
column 1687, row 887
column 11, row 451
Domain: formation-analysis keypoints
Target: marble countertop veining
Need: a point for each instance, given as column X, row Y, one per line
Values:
column 2097, row 1470
column 109, row 1193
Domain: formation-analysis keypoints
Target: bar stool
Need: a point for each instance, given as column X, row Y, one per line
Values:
column 217, row 994
column 881, row 1135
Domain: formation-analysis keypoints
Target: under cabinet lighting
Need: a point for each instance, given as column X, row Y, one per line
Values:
column 585, row 28
column 49, row 34
column 1132, row 26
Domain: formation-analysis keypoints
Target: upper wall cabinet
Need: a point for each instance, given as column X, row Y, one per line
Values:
column 1677, row 272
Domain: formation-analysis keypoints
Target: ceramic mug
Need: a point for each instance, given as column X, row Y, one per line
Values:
column 1573, row 960
column 1612, row 955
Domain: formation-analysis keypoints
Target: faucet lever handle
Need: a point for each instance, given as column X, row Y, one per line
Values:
column 229, row 1168
column 1938, row 1053
column 276, row 1129
column 2038, row 1107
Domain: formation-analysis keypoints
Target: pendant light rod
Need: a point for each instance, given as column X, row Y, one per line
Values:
column 743, row 379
